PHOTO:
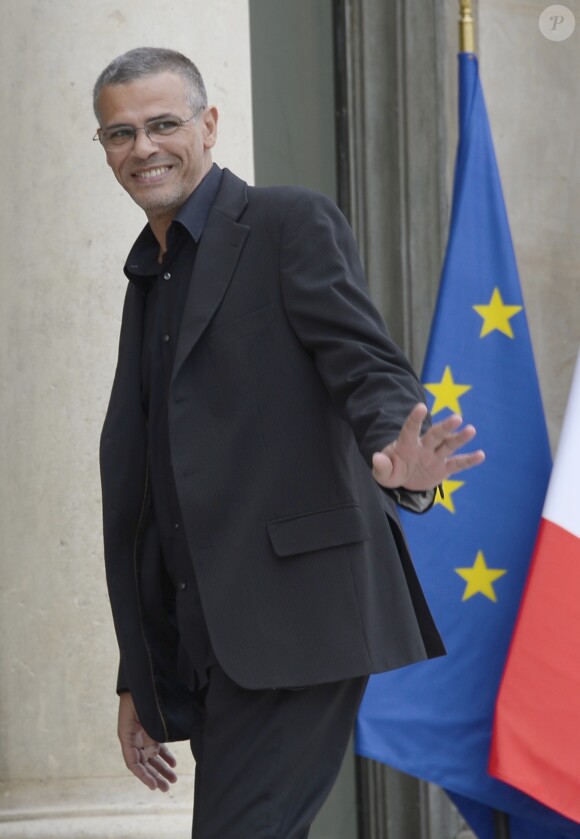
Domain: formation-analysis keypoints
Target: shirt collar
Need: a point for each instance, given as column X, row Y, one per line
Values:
column 142, row 261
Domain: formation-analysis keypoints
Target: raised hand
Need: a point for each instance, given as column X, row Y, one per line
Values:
column 418, row 462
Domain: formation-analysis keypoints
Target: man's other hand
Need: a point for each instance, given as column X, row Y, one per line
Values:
column 150, row 761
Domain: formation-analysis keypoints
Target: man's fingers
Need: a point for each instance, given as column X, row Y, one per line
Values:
column 382, row 466
column 162, row 778
column 135, row 762
column 457, row 440
column 411, row 428
column 153, row 772
column 159, row 762
column 148, row 774
column 420, row 462
column 459, row 462
column 141, row 771
column 152, row 765
column 162, row 769
column 167, row 755
column 442, row 431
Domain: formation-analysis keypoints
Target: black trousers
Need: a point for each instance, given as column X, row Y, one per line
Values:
column 266, row 760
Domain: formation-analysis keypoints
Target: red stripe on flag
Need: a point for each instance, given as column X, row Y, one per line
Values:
column 536, row 738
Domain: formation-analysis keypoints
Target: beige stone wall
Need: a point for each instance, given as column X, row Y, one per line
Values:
column 533, row 101
column 65, row 229
column 533, row 97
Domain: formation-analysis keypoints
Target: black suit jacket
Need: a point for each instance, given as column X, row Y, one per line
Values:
column 285, row 382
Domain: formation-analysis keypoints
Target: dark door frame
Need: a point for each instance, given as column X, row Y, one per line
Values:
column 392, row 157
column 392, row 152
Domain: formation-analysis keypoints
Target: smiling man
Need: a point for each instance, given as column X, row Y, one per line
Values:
column 261, row 430
column 158, row 165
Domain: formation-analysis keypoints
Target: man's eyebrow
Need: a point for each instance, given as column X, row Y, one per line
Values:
column 116, row 125
column 128, row 124
column 163, row 116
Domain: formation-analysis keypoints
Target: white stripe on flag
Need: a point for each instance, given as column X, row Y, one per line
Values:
column 562, row 505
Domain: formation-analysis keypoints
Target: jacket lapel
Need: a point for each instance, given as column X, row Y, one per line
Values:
column 219, row 250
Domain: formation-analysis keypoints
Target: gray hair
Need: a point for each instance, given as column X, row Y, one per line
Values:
column 148, row 61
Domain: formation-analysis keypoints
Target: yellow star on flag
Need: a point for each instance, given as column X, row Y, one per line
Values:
column 480, row 578
column 496, row 315
column 449, row 487
column 446, row 393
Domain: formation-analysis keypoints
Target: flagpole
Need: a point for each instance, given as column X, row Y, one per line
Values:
column 466, row 32
column 501, row 824
column 467, row 45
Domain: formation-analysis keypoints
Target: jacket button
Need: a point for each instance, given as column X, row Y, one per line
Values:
column 182, row 586
column 166, row 338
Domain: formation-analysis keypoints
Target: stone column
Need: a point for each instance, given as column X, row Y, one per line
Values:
column 66, row 227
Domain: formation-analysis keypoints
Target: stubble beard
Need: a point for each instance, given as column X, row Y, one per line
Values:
column 156, row 202
column 160, row 204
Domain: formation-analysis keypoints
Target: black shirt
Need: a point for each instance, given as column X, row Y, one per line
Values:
column 167, row 285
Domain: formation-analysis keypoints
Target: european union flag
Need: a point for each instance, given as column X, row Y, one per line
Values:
column 472, row 551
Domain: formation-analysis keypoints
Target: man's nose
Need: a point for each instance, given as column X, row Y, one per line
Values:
column 143, row 145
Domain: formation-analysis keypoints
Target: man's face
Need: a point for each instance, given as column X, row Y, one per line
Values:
column 158, row 175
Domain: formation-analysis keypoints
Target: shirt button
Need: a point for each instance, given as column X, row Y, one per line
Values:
column 167, row 276
column 166, row 339
column 182, row 586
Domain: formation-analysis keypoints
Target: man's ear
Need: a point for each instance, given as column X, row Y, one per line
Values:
column 209, row 125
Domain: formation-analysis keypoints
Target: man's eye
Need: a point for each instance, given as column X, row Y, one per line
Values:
column 163, row 126
column 124, row 132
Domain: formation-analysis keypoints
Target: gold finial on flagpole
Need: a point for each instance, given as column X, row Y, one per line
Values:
column 466, row 33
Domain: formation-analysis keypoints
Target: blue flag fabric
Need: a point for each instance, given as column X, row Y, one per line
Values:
column 472, row 550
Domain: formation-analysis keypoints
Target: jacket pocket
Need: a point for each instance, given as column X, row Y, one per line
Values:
column 228, row 333
column 315, row 531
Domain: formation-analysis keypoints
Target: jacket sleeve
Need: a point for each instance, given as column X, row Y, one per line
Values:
column 368, row 377
column 121, row 680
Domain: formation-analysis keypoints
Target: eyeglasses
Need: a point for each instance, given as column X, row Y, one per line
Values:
column 122, row 136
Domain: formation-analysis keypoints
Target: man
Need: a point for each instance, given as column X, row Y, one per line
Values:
column 261, row 426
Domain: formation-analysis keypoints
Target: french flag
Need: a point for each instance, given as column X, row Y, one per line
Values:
column 536, row 737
